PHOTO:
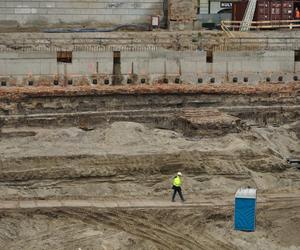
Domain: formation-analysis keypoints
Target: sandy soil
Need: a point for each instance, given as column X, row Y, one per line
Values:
column 201, row 228
column 133, row 161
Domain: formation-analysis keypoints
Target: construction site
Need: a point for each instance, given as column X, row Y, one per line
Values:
column 103, row 103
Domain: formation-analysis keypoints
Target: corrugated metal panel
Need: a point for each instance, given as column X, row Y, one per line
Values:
column 275, row 11
column 266, row 10
column 287, row 10
column 238, row 10
column 262, row 11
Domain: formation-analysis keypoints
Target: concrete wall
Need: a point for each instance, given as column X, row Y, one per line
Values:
column 204, row 6
column 152, row 66
column 43, row 12
column 253, row 61
column 256, row 66
column 37, row 63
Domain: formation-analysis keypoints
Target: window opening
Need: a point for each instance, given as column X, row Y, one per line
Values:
column 64, row 56
column 297, row 55
column 209, row 56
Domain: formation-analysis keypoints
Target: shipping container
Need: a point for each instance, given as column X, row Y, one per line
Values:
column 267, row 10
column 287, row 10
column 238, row 10
column 262, row 11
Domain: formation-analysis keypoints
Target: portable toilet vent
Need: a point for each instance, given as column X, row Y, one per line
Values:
column 245, row 209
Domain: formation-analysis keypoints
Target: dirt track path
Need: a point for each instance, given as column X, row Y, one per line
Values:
column 29, row 204
column 158, row 223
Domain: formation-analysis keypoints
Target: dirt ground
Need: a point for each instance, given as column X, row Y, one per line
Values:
column 201, row 228
column 132, row 161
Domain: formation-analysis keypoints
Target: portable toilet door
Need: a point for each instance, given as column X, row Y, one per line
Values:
column 245, row 209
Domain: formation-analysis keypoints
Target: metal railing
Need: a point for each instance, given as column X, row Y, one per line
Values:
column 228, row 26
column 226, row 30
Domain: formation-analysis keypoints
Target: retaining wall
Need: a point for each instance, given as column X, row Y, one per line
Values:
column 17, row 68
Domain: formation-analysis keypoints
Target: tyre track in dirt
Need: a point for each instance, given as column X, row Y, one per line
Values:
column 159, row 227
column 89, row 166
column 149, row 227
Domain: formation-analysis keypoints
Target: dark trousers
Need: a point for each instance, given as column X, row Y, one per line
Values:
column 177, row 189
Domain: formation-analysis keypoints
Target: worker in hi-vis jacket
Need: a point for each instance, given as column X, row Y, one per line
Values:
column 177, row 182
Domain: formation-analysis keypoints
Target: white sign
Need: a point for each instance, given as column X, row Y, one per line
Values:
column 226, row 4
column 155, row 21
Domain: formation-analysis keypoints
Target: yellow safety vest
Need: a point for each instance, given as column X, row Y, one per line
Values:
column 177, row 181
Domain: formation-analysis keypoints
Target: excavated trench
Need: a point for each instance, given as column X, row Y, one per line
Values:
column 127, row 147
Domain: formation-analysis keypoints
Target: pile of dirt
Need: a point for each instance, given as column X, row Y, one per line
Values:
column 130, row 160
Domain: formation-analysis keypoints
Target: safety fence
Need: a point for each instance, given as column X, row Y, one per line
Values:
column 229, row 26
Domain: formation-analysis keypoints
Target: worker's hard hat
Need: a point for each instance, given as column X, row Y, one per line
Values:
column 179, row 173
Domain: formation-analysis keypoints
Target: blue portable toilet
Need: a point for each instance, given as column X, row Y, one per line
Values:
column 245, row 209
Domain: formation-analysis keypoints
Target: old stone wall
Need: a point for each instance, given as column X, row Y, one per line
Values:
column 181, row 14
column 88, row 12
